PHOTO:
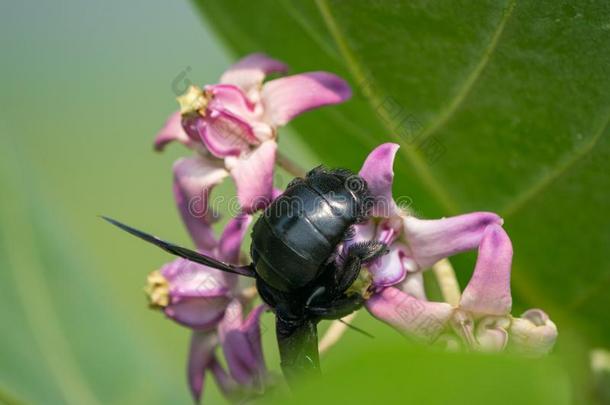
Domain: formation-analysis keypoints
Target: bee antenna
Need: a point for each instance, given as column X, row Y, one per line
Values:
column 184, row 252
column 357, row 329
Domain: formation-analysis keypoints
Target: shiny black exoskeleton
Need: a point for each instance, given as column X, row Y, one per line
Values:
column 294, row 243
column 294, row 250
column 294, row 247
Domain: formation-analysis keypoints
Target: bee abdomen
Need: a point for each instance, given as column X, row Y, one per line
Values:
column 300, row 230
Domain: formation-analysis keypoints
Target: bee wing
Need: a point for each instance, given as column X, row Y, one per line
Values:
column 184, row 252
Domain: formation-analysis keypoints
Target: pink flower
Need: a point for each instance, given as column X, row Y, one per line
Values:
column 533, row 333
column 207, row 300
column 415, row 244
column 482, row 319
column 241, row 343
column 240, row 340
column 236, row 121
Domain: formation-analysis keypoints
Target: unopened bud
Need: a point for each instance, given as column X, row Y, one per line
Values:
column 533, row 334
column 492, row 334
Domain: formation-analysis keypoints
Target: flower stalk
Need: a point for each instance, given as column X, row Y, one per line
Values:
column 290, row 166
column 447, row 282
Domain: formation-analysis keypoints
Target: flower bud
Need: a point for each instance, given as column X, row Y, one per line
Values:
column 533, row 334
column 492, row 334
column 189, row 293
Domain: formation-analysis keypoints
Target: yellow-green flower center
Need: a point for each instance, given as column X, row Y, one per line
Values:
column 362, row 284
column 157, row 290
column 194, row 99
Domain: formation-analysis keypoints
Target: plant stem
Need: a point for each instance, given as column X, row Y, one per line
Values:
column 445, row 276
column 291, row 167
column 298, row 344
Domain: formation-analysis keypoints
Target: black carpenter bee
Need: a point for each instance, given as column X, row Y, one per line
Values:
column 294, row 258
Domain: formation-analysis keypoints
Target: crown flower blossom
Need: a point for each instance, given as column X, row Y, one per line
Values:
column 414, row 244
column 240, row 340
column 207, row 300
column 236, row 121
column 482, row 319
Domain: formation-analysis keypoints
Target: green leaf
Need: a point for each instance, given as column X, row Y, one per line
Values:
column 386, row 373
column 76, row 132
column 65, row 340
column 499, row 106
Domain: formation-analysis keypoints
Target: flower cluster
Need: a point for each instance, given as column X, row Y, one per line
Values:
column 480, row 319
column 211, row 304
column 234, row 123
column 232, row 127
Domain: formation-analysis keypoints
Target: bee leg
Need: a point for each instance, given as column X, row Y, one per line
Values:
column 357, row 255
column 337, row 308
column 338, row 279
column 367, row 251
column 315, row 295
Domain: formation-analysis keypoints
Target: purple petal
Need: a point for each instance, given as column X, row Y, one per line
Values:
column 232, row 237
column 172, row 131
column 391, row 268
column 237, row 115
column 225, row 134
column 192, row 280
column 241, row 344
column 252, row 330
column 233, row 346
column 433, row 240
column 249, row 72
column 192, row 125
column 194, row 179
column 389, row 229
column 416, row 318
column 227, row 385
column 253, row 175
column 201, row 355
column 378, row 171
column 198, row 294
column 287, row 97
column 230, row 98
column 198, row 313
column 488, row 291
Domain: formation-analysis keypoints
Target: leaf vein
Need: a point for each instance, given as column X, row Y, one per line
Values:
column 472, row 78
column 547, row 179
column 412, row 155
column 309, row 29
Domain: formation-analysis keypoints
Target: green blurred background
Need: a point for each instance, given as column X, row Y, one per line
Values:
column 85, row 86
